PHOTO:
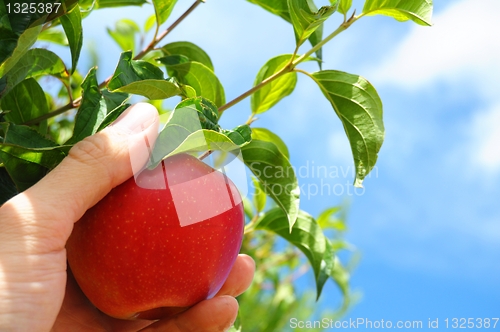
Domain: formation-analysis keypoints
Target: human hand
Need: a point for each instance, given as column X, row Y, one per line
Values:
column 36, row 293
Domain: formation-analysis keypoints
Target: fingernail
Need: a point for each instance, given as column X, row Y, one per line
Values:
column 136, row 118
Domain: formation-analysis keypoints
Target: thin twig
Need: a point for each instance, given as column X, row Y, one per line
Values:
column 168, row 30
column 49, row 115
column 206, row 154
column 256, row 88
column 250, row 227
column 251, row 119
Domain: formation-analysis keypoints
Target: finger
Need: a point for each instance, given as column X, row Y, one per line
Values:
column 100, row 162
column 240, row 277
column 215, row 315
column 93, row 167
column 78, row 314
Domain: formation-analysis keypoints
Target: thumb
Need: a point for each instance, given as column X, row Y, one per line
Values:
column 92, row 168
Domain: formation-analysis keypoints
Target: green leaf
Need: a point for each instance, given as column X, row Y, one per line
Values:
column 172, row 60
column 247, row 207
column 331, row 267
column 204, row 140
column 150, row 22
column 328, row 219
column 314, row 39
column 112, row 116
column 344, row 6
column 259, row 196
column 341, row 277
column 280, row 8
column 8, row 43
column 189, row 50
column 16, row 21
column 277, row 7
column 91, row 113
column 129, row 71
column 276, row 175
column 359, row 107
column 152, row 89
column 317, row 36
column 264, row 134
column 60, row 131
column 26, row 166
column 237, row 326
column 188, row 117
column 24, row 136
column 199, row 77
column 4, row 18
column 21, row 18
column 26, row 155
column 24, row 173
column 18, row 32
column 187, row 91
column 208, row 114
column 10, row 54
column 7, row 186
column 270, row 94
column 240, row 135
column 114, row 104
column 54, row 36
column 34, row 63
column 305, row 21
column 151, row 56
column 419, row 11
column 72, row 24
column 326, row 268
column 142, row 78
column 124, row 34
column 26, row 101
column 114, row 99
column 163, row 9
column 75, row 82
column 305, row 235
column 119, row 3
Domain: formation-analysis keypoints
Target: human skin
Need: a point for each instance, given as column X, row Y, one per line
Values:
column 37, row 293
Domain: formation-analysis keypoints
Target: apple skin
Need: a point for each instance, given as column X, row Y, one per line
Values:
column 130, row 254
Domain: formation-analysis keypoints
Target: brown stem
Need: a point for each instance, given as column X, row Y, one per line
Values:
column 58, row 111
column 256, row 88
column 206, row 154
column 251, row 119
column 168, row 30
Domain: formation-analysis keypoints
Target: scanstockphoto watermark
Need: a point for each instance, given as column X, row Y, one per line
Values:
column 429, row 323
column 314, row 180
column 356, row 323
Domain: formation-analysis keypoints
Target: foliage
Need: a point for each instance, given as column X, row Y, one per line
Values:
column 38, row 128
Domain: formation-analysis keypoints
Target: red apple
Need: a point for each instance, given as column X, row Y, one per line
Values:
column 150, row 253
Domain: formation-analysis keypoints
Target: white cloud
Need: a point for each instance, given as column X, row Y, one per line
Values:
column 463, row 43
column 485, row 140
column 461, row 50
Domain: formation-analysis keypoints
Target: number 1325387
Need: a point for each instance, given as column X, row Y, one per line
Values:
column 32, row 8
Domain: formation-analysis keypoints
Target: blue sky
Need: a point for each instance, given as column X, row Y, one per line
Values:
column 428, row 221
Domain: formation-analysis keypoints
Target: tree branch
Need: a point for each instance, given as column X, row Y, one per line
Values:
column 168, row 30
column 293, row 63
column 256, row 88
column 56, row 112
